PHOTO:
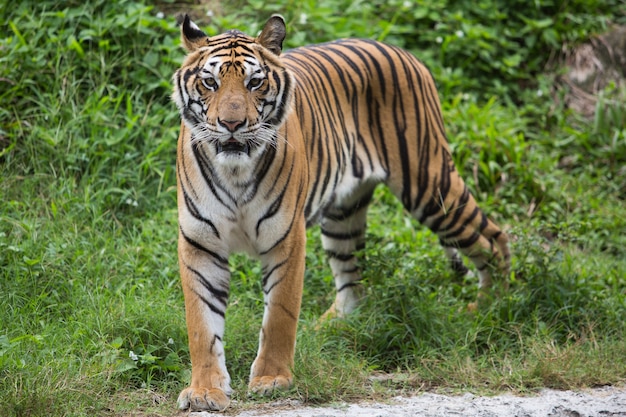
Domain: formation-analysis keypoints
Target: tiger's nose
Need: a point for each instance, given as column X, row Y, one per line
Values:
column 231, row 125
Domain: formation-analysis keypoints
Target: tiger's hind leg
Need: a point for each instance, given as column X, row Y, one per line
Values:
column 489, row 253
column 343, row 233
column 462, row 227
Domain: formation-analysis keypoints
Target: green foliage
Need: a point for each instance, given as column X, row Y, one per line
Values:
column 498, row 46
column 76, row 108
column 91, row 313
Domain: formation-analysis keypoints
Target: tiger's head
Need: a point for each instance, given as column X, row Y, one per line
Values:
column 233, row 92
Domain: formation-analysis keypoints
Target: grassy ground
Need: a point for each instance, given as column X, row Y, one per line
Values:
column 91, row 312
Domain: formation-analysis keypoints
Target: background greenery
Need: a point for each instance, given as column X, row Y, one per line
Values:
column 91, row 312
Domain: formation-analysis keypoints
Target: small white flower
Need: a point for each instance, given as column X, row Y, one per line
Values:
column 133, row 356
column 209, row 13
column 539, row 93
column 303, row 18
column 160, row 15
column 438, row 39
column 459, row 33
column 170, row 341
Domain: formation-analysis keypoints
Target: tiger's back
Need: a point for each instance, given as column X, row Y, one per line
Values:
column 271, row 142
column 370, row 114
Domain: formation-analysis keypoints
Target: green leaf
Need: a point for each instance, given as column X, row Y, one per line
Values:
column 74, row 45
column 512, row 60
column 18, row 33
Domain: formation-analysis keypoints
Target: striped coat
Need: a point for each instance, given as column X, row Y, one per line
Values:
column 273, row 142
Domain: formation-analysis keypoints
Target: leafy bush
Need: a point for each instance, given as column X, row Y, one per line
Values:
column 75, row 108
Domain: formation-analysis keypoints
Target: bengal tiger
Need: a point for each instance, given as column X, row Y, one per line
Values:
column 273, row 142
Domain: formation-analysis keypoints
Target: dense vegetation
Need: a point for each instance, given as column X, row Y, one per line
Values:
column 91, row 313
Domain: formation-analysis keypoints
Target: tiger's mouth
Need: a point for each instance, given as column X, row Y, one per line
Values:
column 232, row 145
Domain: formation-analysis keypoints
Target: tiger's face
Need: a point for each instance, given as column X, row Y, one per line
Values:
column 233, row 94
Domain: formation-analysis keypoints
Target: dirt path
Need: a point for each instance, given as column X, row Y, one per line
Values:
column 599, row 402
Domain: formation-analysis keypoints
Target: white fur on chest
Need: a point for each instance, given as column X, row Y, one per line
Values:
column 241, row 228
column 239, row 232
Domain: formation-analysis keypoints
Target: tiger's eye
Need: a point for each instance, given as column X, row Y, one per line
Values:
column 254, row 83
column 209, row 83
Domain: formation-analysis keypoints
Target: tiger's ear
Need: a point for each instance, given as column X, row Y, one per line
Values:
column 191, row 35
column 273, row 34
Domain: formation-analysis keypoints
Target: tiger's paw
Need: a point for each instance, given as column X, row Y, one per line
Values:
column 203, row 399
column 330, row 319
column 267, row 385
column 327, row 317
column 346, row 302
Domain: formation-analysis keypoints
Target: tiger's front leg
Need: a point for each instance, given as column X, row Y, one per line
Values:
column 283, row 276
column 205, row 279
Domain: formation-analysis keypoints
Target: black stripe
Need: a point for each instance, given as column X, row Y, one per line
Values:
column 211, row 306
column 450, row 233
column 357, row 165
column 467, row 242
column 260, row 173
column 208, row 174
column 353, row 270
column 456, row 208
column 289, row 227
column 340, row 214
column 343, row 236
column 283, row 237
column 483, row 267
column 221, row 262
column 181, row 166
column 283, row 105
column 193, row 210
column 458, row 266
column 267, row 275
column 215, row 339
column 340, row 256
column 272, row 209
column 348, row 285
column 221, row 295
column 289, row 313
column 230, row 47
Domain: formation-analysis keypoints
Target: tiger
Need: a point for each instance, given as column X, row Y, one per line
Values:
column 272, row 142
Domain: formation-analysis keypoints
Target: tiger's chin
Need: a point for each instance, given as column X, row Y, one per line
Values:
column 236, row 161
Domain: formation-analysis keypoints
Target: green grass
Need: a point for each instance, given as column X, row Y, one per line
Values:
column 91, row 311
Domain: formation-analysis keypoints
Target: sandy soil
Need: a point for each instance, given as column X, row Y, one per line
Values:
column 599, row 402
